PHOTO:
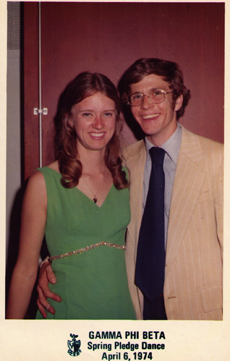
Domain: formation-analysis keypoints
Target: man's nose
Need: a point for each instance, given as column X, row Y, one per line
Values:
column 146, row 102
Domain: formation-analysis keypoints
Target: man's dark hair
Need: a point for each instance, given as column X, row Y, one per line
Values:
column 168, row 70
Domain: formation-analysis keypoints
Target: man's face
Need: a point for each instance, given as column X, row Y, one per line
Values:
column 158, row 121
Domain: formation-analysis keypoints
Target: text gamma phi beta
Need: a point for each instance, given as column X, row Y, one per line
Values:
column 132, row 335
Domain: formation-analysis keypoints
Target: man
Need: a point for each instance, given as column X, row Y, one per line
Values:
column 193, row 193
column 190, row 266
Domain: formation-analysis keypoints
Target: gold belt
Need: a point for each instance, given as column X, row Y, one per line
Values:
column 88, row 248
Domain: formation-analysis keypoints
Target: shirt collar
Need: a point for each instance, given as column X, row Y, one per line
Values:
column 171, row 146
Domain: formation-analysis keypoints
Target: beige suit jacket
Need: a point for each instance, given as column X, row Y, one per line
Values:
column 193, row 273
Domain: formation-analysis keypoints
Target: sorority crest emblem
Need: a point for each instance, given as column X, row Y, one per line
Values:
column 74, row 345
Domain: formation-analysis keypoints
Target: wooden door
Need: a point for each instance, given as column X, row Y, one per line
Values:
column 109, row 37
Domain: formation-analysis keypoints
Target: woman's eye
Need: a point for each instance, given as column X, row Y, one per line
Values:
column 108, row 114
column 86, row 115
column 137, row 96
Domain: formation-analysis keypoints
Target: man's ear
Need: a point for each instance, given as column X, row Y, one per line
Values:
column 179, row 102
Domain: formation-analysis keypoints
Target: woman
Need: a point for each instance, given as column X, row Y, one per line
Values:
column 81, row 203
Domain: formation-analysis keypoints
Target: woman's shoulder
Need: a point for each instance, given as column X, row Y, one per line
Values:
column 36, row 187
column 37, row 178
column 49, row 169
column 44, row 176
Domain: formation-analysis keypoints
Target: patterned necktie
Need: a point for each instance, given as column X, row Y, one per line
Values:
column 150, row 264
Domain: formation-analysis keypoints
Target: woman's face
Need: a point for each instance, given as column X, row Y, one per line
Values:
column 94, row 121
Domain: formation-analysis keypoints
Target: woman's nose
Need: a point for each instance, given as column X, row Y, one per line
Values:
column 98, row 123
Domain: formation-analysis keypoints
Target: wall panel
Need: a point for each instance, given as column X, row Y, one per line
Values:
column 108, row 37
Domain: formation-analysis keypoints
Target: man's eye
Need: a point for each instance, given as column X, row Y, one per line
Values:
column 157, row 92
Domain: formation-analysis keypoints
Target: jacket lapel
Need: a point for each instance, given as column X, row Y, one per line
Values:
column 188, row 182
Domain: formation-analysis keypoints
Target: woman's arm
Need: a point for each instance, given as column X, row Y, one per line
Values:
column 31, row 236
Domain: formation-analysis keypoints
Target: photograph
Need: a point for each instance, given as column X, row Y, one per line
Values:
column 114, row 192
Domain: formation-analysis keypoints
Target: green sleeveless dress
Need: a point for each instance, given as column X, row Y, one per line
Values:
column 92, row 284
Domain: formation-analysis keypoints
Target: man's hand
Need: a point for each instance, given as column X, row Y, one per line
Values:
column 46, row 275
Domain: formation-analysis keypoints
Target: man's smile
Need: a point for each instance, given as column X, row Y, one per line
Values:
column 150, row 116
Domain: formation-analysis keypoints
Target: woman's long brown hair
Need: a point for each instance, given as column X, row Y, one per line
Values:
column 81, row 87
